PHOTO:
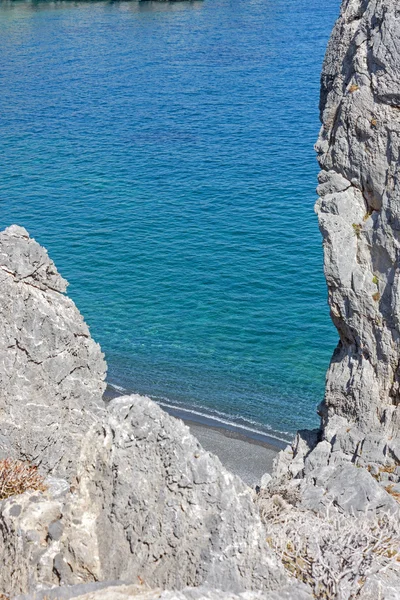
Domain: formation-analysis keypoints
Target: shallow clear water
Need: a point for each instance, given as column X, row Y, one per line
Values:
column 163, row 153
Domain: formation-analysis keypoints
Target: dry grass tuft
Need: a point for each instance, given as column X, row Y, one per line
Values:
column 376, row 296
column 357, row 227
column 334, row 554
column 387, row 469
column 390, row 490
column 353, row 88
column 16, row 477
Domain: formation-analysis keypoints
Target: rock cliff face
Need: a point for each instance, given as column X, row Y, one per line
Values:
column 347, row 473
column 359, row 216
column 147, row 504
column 172, row 514
column 51, row 371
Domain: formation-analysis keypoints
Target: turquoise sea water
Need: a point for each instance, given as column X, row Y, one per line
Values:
column 163, row 153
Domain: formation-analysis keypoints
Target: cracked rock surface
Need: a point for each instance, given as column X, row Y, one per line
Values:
column 148, row 504
column 131, row 495
column 348, row 470
column 52, row 373
column 113, row 591
column 359, row 216
column 171, row 512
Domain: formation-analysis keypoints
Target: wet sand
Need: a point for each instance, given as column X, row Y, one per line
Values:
column 245, row 457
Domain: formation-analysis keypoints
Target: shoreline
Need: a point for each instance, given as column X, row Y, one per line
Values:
column 245, row 453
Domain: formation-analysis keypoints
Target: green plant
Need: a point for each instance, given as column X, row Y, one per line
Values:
column 357, row 229
column 375, row 280
column 16, row 477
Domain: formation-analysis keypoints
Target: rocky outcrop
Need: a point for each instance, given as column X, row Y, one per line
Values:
column 174, row 516
column 131, row 495
column 148, row 504
column 51, row 371
column 333, row 501
column 123, row 591
column 359, row 216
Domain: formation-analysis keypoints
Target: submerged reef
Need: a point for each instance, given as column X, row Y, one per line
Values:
column 124, row 502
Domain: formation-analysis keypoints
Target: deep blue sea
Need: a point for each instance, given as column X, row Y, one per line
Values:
column 163, row 154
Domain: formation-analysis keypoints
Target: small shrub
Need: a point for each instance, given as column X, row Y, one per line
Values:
column 376, row 296
column 390, row 490
column 357, row 229
column 334, row 554
column 387, row 469
column 16, row 477
column 353, row 88
column 375, row 280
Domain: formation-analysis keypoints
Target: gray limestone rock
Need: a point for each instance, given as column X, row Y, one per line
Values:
column 131, row 495
column 359, row 216
column 348, row 472
column 171, row 513
column 352, row 490
column 26, row 551
column 265, row 480
column 51, row 371
column 147, row 505
column 297, row 592
column 359, row 143
column 120, row 591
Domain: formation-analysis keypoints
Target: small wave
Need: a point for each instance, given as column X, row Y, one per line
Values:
column 216, row 416
column 223, row 419
column 117, row 388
